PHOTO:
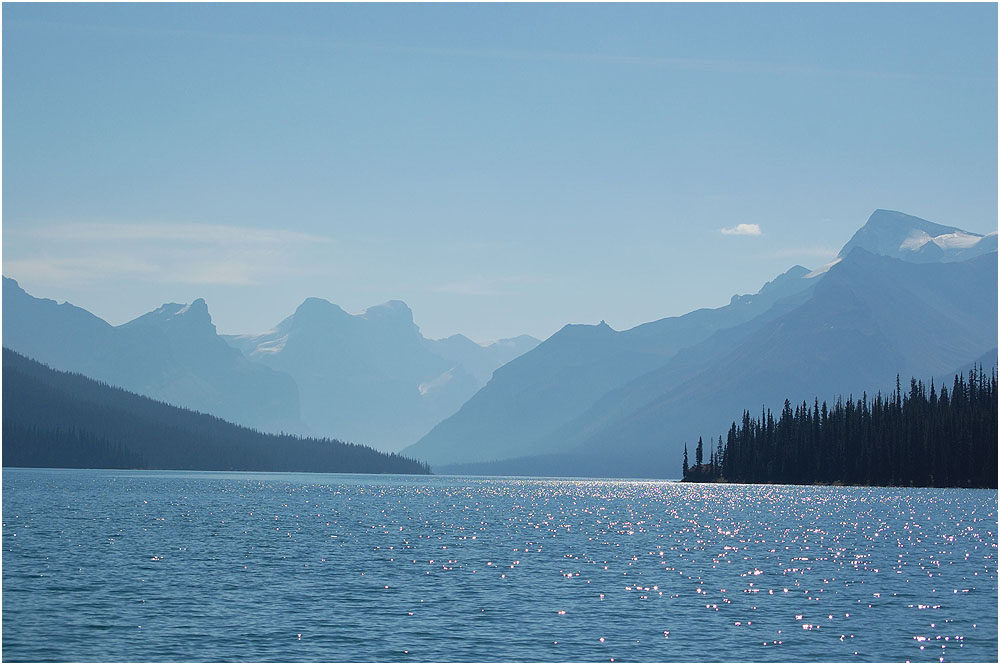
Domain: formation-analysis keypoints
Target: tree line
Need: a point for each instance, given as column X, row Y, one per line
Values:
column 923, row 437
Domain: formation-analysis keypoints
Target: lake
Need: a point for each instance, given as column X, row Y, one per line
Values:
column 200, row 566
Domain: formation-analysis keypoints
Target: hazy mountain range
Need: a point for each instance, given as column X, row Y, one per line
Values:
column 905, row 296
column 535, row 395
column 172, row 354
column 849, row 328
column 370, row 378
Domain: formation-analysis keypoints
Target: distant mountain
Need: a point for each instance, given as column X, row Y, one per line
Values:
column 531, row 397
column 909, row 238
column 985, row 361
column 905, row 296
column 59, row 419
column 901, row 318
column 372, row 377
column 869, row 319
column 478, row 360
column 172, row 354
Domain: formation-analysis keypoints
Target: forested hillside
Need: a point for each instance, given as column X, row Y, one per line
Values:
column 172, row 354
column 58, row 419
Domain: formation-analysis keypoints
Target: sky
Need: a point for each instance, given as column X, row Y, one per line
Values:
column 501, row 168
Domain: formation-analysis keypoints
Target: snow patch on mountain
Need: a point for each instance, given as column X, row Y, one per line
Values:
column 957, row 240
column 916, row 240
column 437, row 382
column 819, row 271
column 902, row 236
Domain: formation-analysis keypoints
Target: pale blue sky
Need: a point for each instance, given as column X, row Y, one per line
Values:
column 503, row 169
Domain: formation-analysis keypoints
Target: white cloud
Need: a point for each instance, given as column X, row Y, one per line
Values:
column 742, row 230
column 187, row 253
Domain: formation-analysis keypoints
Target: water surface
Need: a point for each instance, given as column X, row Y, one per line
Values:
column 179, row 566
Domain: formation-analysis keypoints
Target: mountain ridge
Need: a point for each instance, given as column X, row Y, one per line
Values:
column 171, row 353
column 616, row 402
column 531, row 396
column 896, row 234
column 174, row 353
column 835, row 353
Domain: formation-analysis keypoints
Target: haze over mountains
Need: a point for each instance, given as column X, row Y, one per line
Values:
column 558, row 381
column 852, row 327
column 869, row 320
column 905, row 296
column 371, row 378
column 171, row 354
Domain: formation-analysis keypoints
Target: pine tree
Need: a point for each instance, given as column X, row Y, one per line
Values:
column 931, row 438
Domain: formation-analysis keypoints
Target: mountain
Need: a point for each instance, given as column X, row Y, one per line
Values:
column 533, row 396
column 62, row 334
column 985, row 361
column 478, row 360
column 59, row 419
column 372, row 377
column 869, row 319
column 909, row 238
column 882, row 308
column 172, row 354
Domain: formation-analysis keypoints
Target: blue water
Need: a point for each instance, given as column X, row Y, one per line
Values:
column 157, row 566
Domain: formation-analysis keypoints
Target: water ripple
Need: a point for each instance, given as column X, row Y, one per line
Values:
column 168, row 566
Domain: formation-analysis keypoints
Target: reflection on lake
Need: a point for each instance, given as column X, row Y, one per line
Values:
column 153, row 566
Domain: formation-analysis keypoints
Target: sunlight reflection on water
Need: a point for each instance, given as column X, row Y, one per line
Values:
column 111, row 565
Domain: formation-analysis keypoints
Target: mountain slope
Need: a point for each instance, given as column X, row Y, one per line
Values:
column 171, row 354
column 684, row 366
column 53, row 418
column 607, row 406
column 533, row 396
column 868, row 320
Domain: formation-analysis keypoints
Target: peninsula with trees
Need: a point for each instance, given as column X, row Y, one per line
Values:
column 926, row 437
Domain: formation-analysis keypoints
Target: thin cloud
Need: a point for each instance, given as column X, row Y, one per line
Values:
column 208, row 234
column 742, row 230
column 70, row 269
column 185, row 253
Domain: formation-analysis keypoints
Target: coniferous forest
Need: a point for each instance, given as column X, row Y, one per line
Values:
column 924, row 437
column 59, row 419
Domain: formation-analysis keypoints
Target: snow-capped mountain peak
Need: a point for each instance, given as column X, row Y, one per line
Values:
column 902, row 236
